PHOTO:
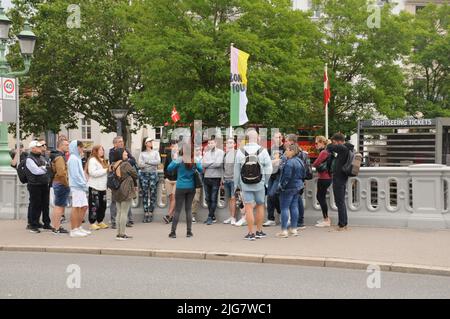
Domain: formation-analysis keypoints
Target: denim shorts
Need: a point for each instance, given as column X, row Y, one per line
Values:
column 61, row 194
column 229, row 189
column 252, row 197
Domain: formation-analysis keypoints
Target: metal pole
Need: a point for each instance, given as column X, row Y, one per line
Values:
column 119, row 127
column 326, row 121
column 16, row 214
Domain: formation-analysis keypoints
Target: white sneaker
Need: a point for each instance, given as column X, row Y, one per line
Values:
column 228, row 221
column 323, row 224
column 269, row 223
column 293, row 232
column 77, row 233
column 233, row 221
column 87, row 232
column 283, row 234
column 241, row 222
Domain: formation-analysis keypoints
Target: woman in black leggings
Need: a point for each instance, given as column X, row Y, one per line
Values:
column 323, row 168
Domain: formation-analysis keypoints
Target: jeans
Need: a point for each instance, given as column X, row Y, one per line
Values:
column 39, row 198
column 122, row 209
column 149, row 184
column 289, row 207
column 211, row 186
column 183, row 196
column 339, row 186
column 301, row 210
column 322, row 187
column 113, row 211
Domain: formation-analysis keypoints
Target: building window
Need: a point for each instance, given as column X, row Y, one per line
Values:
column 86, row 129
column 418, row 8
column 158, row 133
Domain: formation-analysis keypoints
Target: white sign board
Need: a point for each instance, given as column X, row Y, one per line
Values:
column 9, row 88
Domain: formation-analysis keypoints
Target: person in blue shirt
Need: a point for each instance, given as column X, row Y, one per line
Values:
column 185, row 166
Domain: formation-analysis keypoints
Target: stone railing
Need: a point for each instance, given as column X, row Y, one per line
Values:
column 416, row 196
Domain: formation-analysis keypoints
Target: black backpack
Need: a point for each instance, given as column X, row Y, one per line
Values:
column 22, row 170
column 307, row 164
column 251, row 170
column 113, row 181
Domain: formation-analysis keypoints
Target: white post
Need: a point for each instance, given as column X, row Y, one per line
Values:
column 16, row 214
column 326, row 121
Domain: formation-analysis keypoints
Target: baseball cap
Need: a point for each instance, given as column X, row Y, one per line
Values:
column 34, row 144
column 148, row 139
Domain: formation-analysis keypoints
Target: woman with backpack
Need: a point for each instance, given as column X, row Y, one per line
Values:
column 323, row 167
column 97, row 172
column 186, row 168
column 127, row 190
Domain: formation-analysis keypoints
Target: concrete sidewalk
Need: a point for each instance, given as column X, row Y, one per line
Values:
column 402, row 250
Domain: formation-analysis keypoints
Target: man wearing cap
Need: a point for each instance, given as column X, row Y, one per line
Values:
column 38, row 179
column 148, row 162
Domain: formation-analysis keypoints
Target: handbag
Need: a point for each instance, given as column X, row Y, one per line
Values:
column 197, row 180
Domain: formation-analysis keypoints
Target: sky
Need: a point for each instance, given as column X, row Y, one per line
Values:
column 6, row 4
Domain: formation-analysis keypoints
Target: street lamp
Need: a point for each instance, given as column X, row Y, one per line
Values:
column 119, row 114
column 27, row 40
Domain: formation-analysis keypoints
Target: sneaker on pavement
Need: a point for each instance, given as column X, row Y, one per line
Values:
column 233, row 221
column 323, row 224
column 260, row 234
column 123, row 237
column 94, row 227
column 189, row 234
column 214, row 220
column 103, row 225
column 250, row 237
column 77, row 233
column 47, row 227
column 87, row 232
column 194, row 221
column 293, row 232
column 302, row 227
column 228, row 221
column 209, row 221
column 172, row 235
column 269, row 223
column 241, row 222
column 59, row 231
column 40, row 225
column 35, row 230
column 283, row 234
column 129, row 224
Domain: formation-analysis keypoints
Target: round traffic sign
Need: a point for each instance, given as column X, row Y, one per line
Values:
column 8, row 86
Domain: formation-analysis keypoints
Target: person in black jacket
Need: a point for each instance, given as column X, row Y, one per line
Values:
column 37, row 171
column 341, row 151
column 119, row 144
column 170, row 180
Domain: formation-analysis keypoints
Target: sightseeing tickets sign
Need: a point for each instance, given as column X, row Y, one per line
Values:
column 238, row 87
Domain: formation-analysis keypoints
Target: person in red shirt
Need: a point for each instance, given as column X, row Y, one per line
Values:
column 324, row 180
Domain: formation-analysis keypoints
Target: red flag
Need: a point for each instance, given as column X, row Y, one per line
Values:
column 326, row 88
column 175, row 116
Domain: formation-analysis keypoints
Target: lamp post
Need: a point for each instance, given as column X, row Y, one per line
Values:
column 27, row 41
column 119, row 114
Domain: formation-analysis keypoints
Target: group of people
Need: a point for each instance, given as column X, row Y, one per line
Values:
column 247, row 174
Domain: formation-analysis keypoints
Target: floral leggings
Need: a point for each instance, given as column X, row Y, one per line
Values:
column 149, row 183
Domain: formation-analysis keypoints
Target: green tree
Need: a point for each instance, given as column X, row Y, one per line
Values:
column 76, row 70
column 429, row 76
column 363, row 60
column 183, row 50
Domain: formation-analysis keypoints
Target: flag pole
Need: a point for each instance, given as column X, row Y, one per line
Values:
column 231, row 127
column 326, row 104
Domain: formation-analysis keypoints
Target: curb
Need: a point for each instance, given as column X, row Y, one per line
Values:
column 241, row 257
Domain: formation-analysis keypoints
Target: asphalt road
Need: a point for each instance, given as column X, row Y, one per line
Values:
column 49, row 275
